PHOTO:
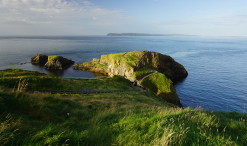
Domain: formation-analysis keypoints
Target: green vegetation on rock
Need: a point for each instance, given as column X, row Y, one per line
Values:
column 53, row 62
column 140, row 73
column 134, row 66
column 39, row 59
column 58, row 63
column 52, row 57
column 161, row 86
column 130, row 118
column 158, row 83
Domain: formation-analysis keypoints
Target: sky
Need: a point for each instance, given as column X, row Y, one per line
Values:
column 99, row 17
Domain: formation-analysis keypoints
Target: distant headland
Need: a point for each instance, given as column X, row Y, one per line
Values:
column 144, row 34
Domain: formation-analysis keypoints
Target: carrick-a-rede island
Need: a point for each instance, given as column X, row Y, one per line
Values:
column 151, row 70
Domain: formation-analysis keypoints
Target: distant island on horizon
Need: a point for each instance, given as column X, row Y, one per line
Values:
column 144, row 34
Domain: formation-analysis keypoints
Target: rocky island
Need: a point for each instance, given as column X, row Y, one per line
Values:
column 153, row 71
column 51, row 62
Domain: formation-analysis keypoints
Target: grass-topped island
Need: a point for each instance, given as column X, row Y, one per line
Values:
column 52, row 62
column 151, row 70
column 38, row 109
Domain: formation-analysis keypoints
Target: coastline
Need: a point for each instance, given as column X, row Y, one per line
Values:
column 203, row 57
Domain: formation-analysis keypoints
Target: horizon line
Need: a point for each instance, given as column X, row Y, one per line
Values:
column 148, row 34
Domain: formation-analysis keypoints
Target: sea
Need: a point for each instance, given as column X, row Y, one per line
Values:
column 217, row 66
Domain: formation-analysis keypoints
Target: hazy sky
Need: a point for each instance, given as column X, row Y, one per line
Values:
column 99, row 17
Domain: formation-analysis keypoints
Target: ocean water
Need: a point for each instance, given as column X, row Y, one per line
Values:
column 217, row 66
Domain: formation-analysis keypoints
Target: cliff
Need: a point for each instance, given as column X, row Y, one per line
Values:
column 151, row 70
column 39, row 59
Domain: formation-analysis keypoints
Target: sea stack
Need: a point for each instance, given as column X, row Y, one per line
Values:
column 58, row 63
column 51, row 62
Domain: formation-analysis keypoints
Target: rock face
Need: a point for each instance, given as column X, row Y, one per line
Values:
column 58, row 63
column 151, row 70
column 52, row 62
column 39, row 59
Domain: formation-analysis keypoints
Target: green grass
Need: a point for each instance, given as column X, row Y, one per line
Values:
column 158, row 83
column 10, row 79
column 100, row 65
column 161, row 86
column 108, row 119
column 17, row 73
column 142, row 72
column 127, row 58
column 52, row 57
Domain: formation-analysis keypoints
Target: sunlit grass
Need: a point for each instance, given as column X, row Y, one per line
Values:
column 52, row 57
column 110, row 119
column 11, row 78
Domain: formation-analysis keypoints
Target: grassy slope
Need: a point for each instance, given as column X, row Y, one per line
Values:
column 160, row 85
column 106, row 119
column 10, row 78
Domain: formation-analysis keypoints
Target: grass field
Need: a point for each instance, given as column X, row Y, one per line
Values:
column 131, row 118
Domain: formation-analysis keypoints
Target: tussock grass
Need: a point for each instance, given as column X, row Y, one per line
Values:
column 111, row 119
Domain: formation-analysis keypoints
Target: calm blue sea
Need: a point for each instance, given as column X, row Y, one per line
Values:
column 217, row 66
